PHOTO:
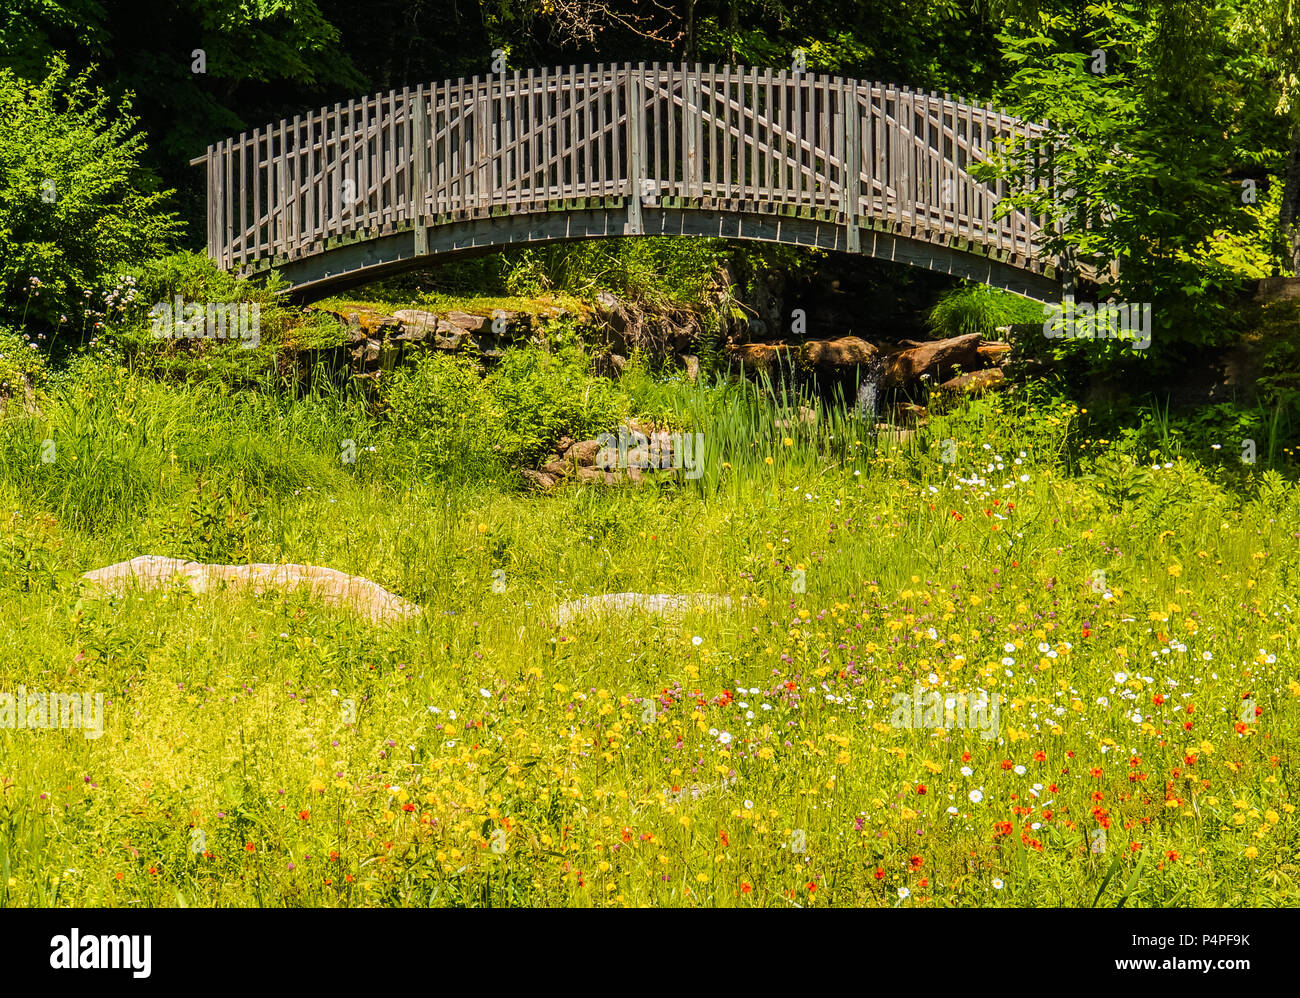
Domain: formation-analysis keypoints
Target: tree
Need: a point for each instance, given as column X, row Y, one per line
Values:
column 1148, row 122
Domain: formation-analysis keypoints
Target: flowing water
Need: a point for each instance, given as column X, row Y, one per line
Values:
column 867, row 404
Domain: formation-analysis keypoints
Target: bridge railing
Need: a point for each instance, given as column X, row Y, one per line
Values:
column 538, row 140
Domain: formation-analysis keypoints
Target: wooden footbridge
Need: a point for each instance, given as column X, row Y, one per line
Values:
column 346, row 194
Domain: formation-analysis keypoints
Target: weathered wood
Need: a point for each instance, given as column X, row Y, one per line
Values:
column 718, row 139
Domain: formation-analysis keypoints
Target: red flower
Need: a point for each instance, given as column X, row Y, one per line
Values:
column 334, row 857
column 812, row 888
column 1087, row 633
column 304, row 815
column 1172, row 855
column 725, row 841
column 1006, row 763
column 1040, row 756
column 965, row 757
column 920, row 789
column 249, row 847
column 408, row 807
column 916, row 862
column 1095, row 771
column 879, row 873
column 1158, row 699
column 745, row 888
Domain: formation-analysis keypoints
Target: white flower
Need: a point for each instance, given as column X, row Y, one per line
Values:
column 976, row 796
column 997, row 884
column 697, row 641
column 1206, row 655
column 483, row 692
column 965, row 771
column 725, row 737
column 1019, row 770
column 748, row 804
column 904, row 893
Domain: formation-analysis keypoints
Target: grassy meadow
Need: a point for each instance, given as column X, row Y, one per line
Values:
column 1128, row 605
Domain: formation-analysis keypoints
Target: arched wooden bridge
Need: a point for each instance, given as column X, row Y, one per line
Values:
column 350, row 193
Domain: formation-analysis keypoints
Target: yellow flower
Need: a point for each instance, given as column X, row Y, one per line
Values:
column 1175, row 570
column 766, row 460
column 788, row 442
column 1251, row 852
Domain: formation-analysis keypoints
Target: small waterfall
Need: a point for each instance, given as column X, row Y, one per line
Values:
column 867, row 404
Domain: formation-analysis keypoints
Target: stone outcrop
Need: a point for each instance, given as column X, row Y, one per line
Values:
column 937, row 358
column 331, row 587
column 593, row 462
column 847, row 351
column 975, row 383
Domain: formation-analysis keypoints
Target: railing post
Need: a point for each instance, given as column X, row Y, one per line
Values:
column 482, row 129
column 635, row 105
column 691, row 119
column 419, row 142
column 852, row 165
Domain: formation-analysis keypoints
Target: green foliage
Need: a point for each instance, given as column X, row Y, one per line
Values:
column 654, row 271
column 468, row 424
column 978, row 308
column 74, row 203
column 217, row 526
column 536, row 398
column 437, row 409
column 1140, row 152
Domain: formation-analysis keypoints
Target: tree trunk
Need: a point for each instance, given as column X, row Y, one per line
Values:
column 690, row 55
column 1289, row 218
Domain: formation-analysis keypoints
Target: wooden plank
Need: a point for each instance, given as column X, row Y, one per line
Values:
column 547, row 116
column 635, row 121
column 852, row 151
column 726, row 131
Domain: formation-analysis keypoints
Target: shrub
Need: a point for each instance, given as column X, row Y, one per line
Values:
column 74, row 203
column 537, row 398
